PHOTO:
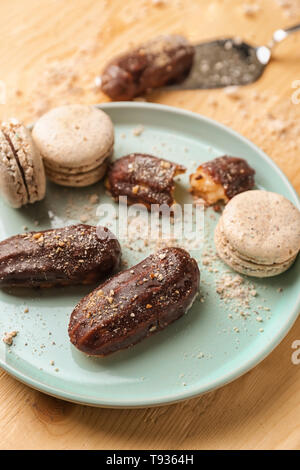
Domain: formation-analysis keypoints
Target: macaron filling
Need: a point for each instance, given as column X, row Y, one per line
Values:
column 15, row 154
column 78, row 179
column 27, row 158
column 12, row 182
column 78, row 170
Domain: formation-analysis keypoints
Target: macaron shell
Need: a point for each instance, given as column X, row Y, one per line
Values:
column 29, row 159
column 73, row 136
column 12, row 184
column 241, row 256
column 232, row 259
column 80, row 179
column 262, row 226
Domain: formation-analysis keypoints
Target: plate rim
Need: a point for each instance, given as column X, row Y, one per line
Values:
column 192, row 391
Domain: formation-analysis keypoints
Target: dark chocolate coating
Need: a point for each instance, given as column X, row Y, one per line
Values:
column 135, row 303
column 78, row 254
column 144, row 179
column 233, row 173
column 165, row 59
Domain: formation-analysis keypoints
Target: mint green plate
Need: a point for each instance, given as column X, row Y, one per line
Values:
column 213, row 344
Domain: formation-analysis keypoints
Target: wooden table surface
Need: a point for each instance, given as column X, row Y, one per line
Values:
column 50, row 53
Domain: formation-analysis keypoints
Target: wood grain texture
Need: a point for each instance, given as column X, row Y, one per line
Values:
column 50, row 53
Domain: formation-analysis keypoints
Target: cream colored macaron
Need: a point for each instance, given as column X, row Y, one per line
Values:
column 75, row 142
column 258, row 233
column 22, row 175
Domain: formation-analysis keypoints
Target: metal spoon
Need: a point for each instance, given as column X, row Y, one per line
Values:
column 229, row 62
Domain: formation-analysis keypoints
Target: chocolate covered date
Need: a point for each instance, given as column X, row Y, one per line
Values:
column 167, row 58
column 135, row 303
column 78, row 254
column 221, row 179
column 144, row 179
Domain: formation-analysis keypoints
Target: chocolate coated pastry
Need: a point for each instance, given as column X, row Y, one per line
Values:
column 78, row 254
column 144, row 179
column 165, row 59
column 135, row 303
column 222, row 179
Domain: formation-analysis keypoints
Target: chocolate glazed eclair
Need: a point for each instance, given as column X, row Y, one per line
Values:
column 144, row 179
column 135, row 303
column 77, row 254
column 167, row 58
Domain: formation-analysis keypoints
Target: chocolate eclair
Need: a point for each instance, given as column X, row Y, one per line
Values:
column 167, row 58
column 78, row 254
column 144, row 179
column 221, row 179
column 135, row 303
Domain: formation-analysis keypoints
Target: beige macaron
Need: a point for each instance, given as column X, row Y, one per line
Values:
column 258, row 233
column 22, row 175
column 75, row 142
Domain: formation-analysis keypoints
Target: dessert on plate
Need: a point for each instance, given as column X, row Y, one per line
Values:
column 77, row 254
column 135, row 303
column 75, row 142
column 221, row 179
column 258, row 233
column 22, row 175
column 144, row 179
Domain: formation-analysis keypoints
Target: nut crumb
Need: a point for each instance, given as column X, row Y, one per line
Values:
column 137, row 131
column 232, row 91
column 94, row 199
column 8, row 337
column 135, row 189
column 84, row 218
column 250, row 9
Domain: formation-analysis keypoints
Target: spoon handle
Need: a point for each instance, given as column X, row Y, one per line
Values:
column 281, row 34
